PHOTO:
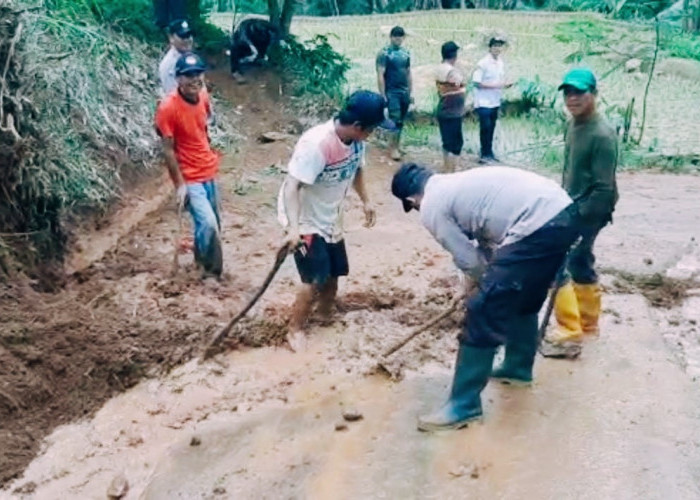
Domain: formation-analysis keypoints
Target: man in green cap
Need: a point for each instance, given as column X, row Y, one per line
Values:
column 590, row 161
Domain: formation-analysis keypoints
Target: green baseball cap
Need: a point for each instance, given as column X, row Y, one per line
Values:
column 582, row 79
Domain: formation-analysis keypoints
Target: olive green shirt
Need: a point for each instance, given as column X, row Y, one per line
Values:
column 590, row 161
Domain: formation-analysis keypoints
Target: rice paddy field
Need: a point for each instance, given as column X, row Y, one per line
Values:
column 533, row 53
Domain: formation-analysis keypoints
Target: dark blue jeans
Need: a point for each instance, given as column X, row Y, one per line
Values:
column 487, row 126
column 515, row 284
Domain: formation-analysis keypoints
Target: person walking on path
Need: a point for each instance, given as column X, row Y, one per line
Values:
column 590, row 164
column 451, row 107
column 509, row 230
column 489, row 81
column 181, row 120
column 327, row 160
column 181, row 41
column 395, row 84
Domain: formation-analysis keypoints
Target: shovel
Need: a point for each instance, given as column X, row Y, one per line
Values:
column 178, row 237
column 219, row 336
column 454, row 305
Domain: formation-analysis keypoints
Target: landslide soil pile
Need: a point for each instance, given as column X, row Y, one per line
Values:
column 66, row 349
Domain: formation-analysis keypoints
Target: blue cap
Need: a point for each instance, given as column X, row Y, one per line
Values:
column 189, row 64
column 181, row 28
column 369, row 109
column 409, row 180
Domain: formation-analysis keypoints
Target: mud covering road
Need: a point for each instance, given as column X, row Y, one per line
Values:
column 621, row 422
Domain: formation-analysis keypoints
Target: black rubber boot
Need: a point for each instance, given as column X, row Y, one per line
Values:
column 464, row 405
column 521, row 349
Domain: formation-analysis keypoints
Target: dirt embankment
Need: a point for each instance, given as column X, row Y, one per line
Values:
column 62, row 354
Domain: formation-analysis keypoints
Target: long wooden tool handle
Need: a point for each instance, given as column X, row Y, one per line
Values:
column 420, row 329
column 279, row 259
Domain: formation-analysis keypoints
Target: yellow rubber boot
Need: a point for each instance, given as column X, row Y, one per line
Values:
column 566, row 312
column 588, row 297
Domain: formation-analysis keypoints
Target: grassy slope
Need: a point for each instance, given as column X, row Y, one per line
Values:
column 674, row 103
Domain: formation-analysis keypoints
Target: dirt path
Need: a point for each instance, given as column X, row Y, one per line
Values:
column 620, row 423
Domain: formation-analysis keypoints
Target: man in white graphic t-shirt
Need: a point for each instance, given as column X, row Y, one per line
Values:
column 327, row 160
column 490, row 80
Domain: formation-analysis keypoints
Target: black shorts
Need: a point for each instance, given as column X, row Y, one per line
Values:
column 323, row 260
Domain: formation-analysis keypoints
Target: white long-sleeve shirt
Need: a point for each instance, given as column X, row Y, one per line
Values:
column 488, row 207
column 166, row 71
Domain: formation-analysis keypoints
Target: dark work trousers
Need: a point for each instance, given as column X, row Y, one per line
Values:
column 515, row 284
column 451, row 134
column 398, row 102
column 487, row 126
column 168, row 10
column 581, row 261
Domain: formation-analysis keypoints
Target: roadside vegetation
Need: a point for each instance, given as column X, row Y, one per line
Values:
column 78, row 98
column 541, row 49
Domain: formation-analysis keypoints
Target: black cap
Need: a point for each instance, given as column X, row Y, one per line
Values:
column 497, row 40
column 368, row 108
column 449, row 50
column 397, row 31
column 181, row 28
column 189, row 64
column 409, row 180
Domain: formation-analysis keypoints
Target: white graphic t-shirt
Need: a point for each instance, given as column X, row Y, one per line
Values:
column 326, row 167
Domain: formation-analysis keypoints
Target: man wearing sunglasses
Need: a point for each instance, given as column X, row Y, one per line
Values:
column 589, row 178
column 180, row 36
column 181, row 121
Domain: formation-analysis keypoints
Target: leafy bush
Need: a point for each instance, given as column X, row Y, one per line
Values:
column 618, row 9
column 313, row 70
column 536, row 94
column 131, row 17
column 676, row 43
column 135, row 18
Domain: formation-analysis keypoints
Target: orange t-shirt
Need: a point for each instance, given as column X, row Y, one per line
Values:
column 186, row 124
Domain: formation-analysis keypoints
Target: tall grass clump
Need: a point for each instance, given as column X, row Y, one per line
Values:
column 77, row 108
column 135, row 18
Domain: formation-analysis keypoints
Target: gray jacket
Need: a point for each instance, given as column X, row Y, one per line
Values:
column 474, row 212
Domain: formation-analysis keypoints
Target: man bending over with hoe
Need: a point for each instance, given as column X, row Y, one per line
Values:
column 327, row 159
column 181, row 120
column 509, row 230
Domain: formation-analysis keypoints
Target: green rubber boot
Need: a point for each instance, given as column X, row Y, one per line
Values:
column 516, row 368
column 464, row 405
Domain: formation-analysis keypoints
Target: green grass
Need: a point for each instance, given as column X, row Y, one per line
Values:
column 674, row 103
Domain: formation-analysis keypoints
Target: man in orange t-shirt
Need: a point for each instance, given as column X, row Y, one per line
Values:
column 181, row 120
